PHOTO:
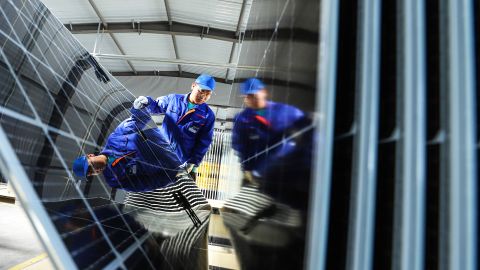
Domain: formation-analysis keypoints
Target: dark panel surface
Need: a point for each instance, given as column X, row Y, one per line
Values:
column 57, row 103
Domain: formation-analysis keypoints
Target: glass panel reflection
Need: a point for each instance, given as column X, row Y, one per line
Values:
column 57, row 103
column 273, row 135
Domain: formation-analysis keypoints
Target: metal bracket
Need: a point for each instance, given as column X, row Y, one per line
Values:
column 203, row 31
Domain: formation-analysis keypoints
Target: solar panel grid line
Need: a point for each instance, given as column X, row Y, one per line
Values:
column 127, row 253
column 294, row 135
column 66, row 169
column 107, row 239
column 45, row 65
column 27, row 98
column 260, row 65
column 23, row 118
column 65, row 234
column 68, row 126
column 1, row 32
column 38, row 216
column 185, row 237
column 133, row 235
column 66, row 36
column 105, row 189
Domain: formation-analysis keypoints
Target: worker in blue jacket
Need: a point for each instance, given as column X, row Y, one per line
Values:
column 260, row 129
column 188, row 122
column 135, row 158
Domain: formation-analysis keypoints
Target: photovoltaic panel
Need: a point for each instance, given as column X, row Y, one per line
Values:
column 57, row 103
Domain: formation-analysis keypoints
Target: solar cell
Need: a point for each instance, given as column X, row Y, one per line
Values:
column 56, row 103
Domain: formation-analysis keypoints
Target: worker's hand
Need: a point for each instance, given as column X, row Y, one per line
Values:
column 193, row 173
column 249, row 178
column 192, row 170
column 140, row 102
column 189, row 167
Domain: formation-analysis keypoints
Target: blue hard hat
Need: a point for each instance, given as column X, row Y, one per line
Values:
column 206, row 82
column 80, row 166
column 251, row 86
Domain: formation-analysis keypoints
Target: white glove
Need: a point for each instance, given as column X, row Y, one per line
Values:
column 159, row 100
column 140, row 102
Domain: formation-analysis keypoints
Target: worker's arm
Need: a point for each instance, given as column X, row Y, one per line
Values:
column 204, row 140
column 238, row 139
column 159, row 105
column 140, row 117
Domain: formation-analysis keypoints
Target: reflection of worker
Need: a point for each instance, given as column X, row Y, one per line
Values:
column 136, row 156
column 188, row 122
column 260, row 129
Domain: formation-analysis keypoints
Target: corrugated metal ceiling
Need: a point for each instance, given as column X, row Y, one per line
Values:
column 221, row 14
column 80, row 11
column 216, row 13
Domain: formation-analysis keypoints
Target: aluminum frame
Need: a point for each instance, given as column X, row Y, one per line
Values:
column 12, row 170
column 317, row 230
column 461, row 145
column 363, row 191
column 410, row 187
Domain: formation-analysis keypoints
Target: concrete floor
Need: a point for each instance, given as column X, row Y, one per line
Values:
column 220, row 256
column 18, row 241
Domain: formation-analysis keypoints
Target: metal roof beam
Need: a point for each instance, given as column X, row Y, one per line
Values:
column 97, row 11
column 183, row 29
column 175, row 74
column 122, row 51
column 105, row 25
column 174, row 40
column 237, row 34
column 177, row 61
column 157, row 27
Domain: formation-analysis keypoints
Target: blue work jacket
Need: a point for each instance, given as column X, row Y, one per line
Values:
column 190, row 132
column 140, row 157
column 256, row 137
